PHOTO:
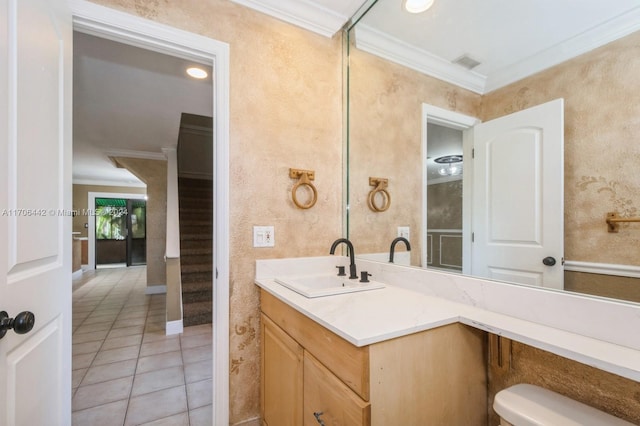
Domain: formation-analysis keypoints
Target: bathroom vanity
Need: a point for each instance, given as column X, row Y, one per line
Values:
column 310, row 374
column 415, row 349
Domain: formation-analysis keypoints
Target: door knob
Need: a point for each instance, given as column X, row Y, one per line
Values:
column 21, row 324
column 549, row 261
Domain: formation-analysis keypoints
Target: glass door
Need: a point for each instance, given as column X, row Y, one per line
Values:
column 137, row 237
column 120, row 232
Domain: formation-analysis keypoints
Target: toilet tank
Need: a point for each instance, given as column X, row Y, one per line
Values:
column 529, row 405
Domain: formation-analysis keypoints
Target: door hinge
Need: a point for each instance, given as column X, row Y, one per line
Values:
column 473, row 237
column 473, row 153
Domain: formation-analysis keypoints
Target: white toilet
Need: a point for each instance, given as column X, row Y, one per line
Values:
column 529, row 405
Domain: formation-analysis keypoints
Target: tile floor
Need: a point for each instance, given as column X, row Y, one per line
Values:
column 125, row 370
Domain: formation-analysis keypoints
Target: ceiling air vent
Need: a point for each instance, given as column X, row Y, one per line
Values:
column 466, row 61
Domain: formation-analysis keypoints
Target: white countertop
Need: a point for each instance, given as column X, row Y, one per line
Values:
column 367, row 317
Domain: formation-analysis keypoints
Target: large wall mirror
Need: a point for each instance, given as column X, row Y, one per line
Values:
column 421, row 84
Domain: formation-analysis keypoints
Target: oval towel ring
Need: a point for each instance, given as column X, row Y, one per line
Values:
column 380, row 188
column 304, row 179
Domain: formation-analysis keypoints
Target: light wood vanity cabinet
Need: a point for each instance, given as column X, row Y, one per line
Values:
column 434, row 377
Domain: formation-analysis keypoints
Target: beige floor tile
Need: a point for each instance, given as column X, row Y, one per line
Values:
column 156, row 405
column 111, row 309
column 181, row 419
column 85, row 348
column 200, row 393
column 77, row 376
column 132, row 313
column 159, row 361
column 196, row 354
column 125, row 331
column 155, row 328
column 202, row 416
column 169, row 344
column 154, row 336
column 99, row 320
column 106, row 372
column 90, row 328
column 121, row 342
column 93, row 336
column 102, row 393
column 120, row 323
column 198, row 371
column 157, row 380
column 82, row 361
column 111, row 414
column 115, row 355
column 194, row 341
column 197, row 329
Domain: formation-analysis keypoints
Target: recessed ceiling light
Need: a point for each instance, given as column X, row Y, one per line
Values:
column 417, row 6
column 197, row 72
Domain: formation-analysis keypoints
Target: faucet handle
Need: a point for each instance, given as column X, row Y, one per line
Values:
column 341, row 271
column 364, row 276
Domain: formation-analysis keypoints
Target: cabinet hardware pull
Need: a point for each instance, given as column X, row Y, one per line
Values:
column 317, row 416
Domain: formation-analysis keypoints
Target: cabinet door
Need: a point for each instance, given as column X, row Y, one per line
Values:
column 328, row 401
column 282, row 368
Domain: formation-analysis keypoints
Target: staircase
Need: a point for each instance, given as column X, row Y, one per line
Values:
column 196, row 247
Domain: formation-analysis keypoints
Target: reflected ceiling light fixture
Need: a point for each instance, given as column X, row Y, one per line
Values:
column 417, row 6
column 196, row 72
column 450, row 165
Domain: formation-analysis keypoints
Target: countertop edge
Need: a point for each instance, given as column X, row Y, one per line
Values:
column 599, row 354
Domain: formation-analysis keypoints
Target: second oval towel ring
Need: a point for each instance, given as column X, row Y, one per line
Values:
column 304, row 179
column 380, row 188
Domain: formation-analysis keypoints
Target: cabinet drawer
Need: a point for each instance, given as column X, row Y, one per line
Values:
column 348, row 362
column 324, row 393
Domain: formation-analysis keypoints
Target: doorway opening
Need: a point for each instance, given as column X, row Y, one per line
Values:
column 121, row 232
column 111, row 24
column 455, row 130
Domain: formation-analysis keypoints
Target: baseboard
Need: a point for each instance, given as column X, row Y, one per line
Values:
column 173, row 327
column 77, row 274
column 156, row 289
column 603, row 268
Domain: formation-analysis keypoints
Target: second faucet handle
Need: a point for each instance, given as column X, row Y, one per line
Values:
column 341, row 272
column 364, row 276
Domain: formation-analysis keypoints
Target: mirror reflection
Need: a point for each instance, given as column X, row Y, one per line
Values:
column 464, row 58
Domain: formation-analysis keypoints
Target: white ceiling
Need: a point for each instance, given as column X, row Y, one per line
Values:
column 128, row 101
column 511, row 39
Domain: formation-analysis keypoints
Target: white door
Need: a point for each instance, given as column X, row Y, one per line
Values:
column 518, row 215
column 35, row 203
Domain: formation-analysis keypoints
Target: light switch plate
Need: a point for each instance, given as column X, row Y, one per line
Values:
column 404, row 231
column 263, row 236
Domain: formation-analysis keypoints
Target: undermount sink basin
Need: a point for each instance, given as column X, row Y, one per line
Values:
column 326, row 285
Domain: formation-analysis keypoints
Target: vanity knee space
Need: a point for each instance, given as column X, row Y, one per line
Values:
column 312, row 376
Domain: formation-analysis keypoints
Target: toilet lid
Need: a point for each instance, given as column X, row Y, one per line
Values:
column 529, row 405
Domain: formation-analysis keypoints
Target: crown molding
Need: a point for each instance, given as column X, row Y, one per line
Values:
column 127, row 153
column 607, row 32
column 380, row 44
column 301, row 13
column 102, row 182
column 395, row 50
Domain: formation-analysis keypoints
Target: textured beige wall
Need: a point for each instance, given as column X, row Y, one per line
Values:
column 385, row 119
column 286, row 104
column 154, row 174
column 81, row 200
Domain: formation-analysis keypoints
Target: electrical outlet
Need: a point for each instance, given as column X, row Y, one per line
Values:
column 404, row 231
column 263, row 236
